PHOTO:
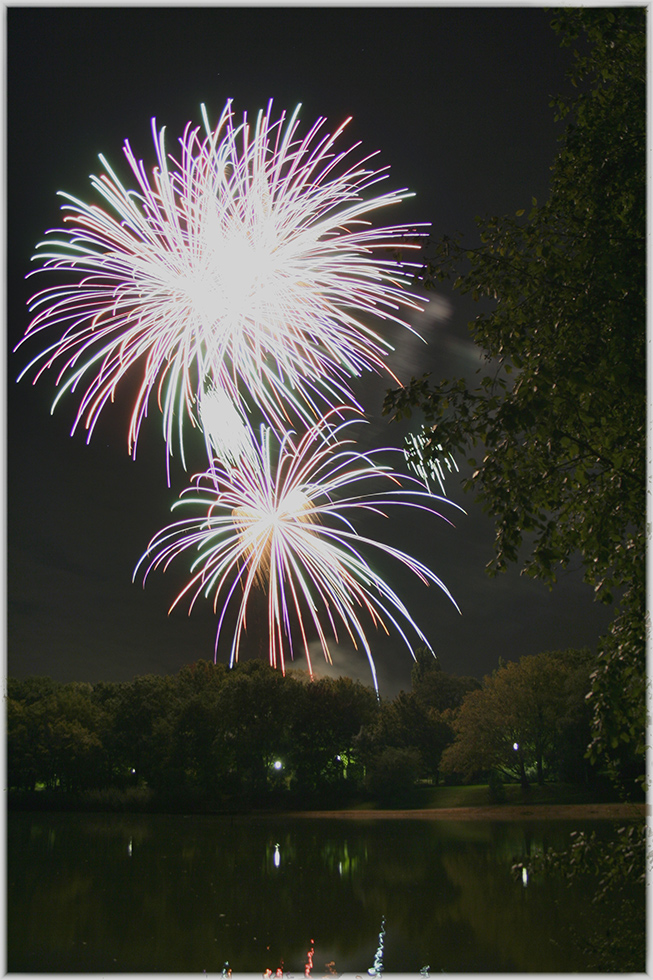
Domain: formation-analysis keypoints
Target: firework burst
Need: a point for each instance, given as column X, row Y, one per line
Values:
column 280, row 522
column 247, row 263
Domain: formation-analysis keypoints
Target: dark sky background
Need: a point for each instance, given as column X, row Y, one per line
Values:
column 456, row 99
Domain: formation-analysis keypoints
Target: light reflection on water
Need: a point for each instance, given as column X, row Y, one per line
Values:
column 287, row 897
column 377, row 969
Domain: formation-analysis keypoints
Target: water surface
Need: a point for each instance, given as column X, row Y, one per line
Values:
column 157, row 893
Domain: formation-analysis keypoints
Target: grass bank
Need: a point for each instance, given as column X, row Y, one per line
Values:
column 420, row 798
column 552, row 794
column 557, row 801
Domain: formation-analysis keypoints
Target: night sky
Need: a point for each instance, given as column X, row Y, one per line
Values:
column 456, row 99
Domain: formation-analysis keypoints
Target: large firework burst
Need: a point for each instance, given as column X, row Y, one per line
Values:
column 280, row 522
column 245, row 263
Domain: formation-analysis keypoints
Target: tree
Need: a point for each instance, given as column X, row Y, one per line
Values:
column 56, row 738
column 515, row 722
column 23, row 768
column 196, row 724
column 569, row 760
column 27, row 740
column 143, row 714
column 31, row 689
column 201, row 677
column 253, row 722
column 405, row 723
column 561, row 413
column 436, row 688
column 327, row 717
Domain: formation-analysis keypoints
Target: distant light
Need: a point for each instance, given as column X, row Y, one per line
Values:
column 515, row 745
column 278, row 764
column 524, row 876
column 277, row 856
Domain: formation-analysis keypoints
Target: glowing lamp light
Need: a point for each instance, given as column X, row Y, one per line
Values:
column 515, row 746
column 278, row 764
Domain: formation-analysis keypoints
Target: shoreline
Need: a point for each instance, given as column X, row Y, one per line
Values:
column 633, row 811
column 543, row 811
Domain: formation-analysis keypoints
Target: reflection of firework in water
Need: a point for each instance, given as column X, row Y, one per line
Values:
column 280, row 522
column 377, row 969
column 308, row 966
column 244, row 264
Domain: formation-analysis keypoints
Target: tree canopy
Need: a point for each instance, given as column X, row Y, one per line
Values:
column 559, row 414
column 527, row 717
column 432, row 685
column 212, row 736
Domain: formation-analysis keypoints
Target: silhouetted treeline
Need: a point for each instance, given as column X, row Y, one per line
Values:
column 214, row 736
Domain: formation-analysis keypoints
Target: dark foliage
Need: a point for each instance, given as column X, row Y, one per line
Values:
column 559, row 417
column 210, row 737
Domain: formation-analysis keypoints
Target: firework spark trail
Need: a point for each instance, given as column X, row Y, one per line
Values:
column 282, row 524
column 244, row 265
column 420, row 453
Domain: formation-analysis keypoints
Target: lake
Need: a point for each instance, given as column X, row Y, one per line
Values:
column 305, row 896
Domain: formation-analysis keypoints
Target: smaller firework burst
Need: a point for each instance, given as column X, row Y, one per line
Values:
column 281, row 522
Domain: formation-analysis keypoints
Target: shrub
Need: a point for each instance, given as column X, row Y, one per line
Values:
column 495, row 788
column 392, row 775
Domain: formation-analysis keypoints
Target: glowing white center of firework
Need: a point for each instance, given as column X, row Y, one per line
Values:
column 262, row 523
column 220, row 289
column 236, row 274
column 259, row 528
column 293, row 505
